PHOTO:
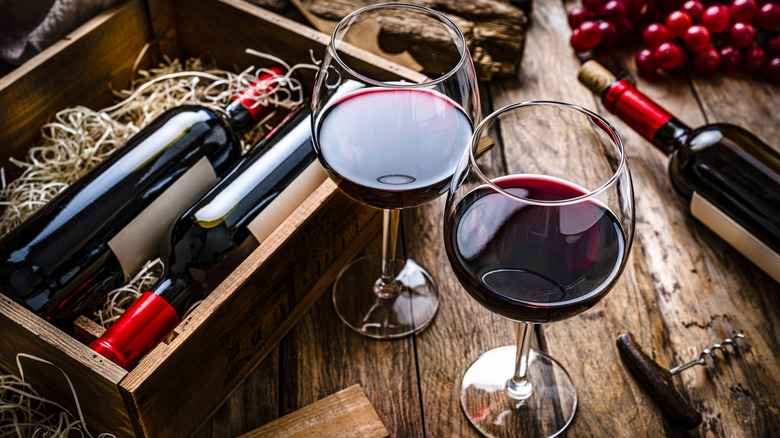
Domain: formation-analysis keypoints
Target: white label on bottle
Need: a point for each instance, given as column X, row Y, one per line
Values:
column 737, row 236
column 288, row 200
column 139, row 241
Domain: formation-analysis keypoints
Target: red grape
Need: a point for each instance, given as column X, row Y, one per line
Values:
column 701, row 35
column 772, row 46
column 716, row 18
column 633, row 7
column 576, row 42
column 753, row 59
column 706, row 62
column 768, row 16
column 590, row 35
column 655, row 34
column 645, row 63
column 743, row 10
column 682, row 67
column 729, row 59
column 677, row 23
column 742, row 34
column 625, row 28
column 697, row 38
column 694, row 8
column 652, row 11
column 667, row 55
column 594, row 6
column 773, row 69
column 578, row 15
column 614, row 11
column 609, row 34
column 670, row 5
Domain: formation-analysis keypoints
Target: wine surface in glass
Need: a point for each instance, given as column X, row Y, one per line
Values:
column 392, row 147
column 529, row 262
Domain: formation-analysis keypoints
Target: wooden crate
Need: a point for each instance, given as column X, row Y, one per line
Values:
column 179, row 384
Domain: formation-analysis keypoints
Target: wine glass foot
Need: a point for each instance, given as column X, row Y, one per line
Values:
column 546, row 412
column 411, row 311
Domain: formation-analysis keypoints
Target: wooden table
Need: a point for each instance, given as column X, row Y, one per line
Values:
column 682, row 290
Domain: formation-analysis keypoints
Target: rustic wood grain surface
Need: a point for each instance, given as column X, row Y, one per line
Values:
column 494, row 29
column 682, row 290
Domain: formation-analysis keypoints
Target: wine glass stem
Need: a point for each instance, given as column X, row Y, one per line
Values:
column 387, row 287
column 519, row 387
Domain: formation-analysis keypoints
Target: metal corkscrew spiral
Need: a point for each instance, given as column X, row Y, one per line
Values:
column 710, row 352
column 657, row 380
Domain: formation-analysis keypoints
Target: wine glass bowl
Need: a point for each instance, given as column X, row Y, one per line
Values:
column 397, row 163
column 537, row 229
column 391, row 138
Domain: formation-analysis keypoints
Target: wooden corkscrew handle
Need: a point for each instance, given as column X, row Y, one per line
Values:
column 657, row 381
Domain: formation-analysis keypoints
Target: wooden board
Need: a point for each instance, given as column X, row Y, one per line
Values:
column 345, row 414
column 682, row 290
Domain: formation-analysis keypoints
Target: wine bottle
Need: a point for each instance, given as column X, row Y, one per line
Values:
column 730, row 176
column 233, row 218
column 100, row 230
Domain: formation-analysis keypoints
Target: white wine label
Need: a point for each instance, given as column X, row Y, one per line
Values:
column 139, row 241
column 283, row 205
column 736, row 235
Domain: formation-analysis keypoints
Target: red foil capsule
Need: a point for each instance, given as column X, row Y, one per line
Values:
column 248, row 97
column 137, row 331
column 636, row 109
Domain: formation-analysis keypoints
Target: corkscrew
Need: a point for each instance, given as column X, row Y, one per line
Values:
column 657, row 380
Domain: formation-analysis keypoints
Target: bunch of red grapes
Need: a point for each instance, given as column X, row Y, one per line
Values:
column 703, row 36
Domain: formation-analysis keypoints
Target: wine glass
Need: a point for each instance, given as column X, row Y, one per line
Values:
column 538, row 225
column 392, row 144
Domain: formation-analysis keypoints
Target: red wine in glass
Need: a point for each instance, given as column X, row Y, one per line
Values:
column 534, row 262
column 393, row 148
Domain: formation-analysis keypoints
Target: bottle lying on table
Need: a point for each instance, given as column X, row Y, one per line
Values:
column 730, row 176
column 233, row 218
column 99, row 231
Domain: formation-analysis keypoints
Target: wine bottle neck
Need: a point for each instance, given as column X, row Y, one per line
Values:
column 171, row 287
column 671, row 136
column 240, row 118
column 645, row 116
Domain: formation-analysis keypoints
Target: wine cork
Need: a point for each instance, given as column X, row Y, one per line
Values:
column 595, row 77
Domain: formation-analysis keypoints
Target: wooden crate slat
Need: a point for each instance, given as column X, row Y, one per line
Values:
column 96, row 380
column 77, row 70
